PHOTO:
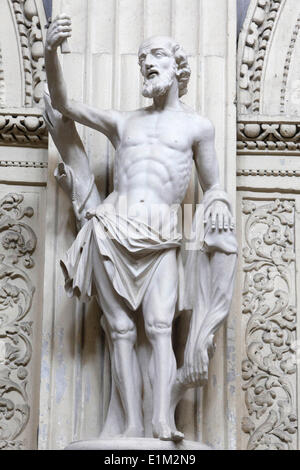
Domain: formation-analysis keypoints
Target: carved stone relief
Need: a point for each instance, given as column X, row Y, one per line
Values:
column 287, row 65
column 267, row 136
column 26, row 129
column 253, row 54
column 262, row 172
column 30, row 36
column 18, row 243
column 2, row 83
column 269, row 307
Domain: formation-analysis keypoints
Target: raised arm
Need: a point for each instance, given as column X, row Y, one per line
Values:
column 208, row 174
column 107, row 122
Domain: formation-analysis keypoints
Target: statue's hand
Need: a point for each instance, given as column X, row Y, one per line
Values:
column 220, row 216
column 58, row 31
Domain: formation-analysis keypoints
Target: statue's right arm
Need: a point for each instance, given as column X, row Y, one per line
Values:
column 104, row 121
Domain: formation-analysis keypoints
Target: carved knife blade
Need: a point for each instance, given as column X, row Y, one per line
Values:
column 48, row 9
column 65, row 48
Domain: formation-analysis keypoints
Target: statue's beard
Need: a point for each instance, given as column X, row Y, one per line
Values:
column 158, row 86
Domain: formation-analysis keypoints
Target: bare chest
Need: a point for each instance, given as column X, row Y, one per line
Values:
column 171, row 131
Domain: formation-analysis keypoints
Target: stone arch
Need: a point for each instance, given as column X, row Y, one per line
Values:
column 22, row 54
column 268, row 70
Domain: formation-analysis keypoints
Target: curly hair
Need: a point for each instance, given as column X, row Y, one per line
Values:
column 183, row 72
column 183, row 69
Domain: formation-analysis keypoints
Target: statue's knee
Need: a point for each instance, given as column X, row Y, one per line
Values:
column 122, row 330
column 158, row 327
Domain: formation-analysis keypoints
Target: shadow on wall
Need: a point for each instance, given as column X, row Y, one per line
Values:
column 242, row 7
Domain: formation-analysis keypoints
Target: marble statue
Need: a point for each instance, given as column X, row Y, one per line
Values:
column 127, row 251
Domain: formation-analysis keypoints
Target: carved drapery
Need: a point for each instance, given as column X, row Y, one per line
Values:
column 269, row 369
column 18, row 243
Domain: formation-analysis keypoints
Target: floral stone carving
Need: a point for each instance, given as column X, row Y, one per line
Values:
column 18, row 243
column 269, row 369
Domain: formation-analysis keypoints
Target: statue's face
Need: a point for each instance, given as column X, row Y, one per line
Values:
column 158, row 66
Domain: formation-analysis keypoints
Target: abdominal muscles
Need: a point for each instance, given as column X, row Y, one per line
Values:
column 153, row 178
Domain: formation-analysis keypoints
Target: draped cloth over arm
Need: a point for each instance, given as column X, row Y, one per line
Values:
column 207, row 291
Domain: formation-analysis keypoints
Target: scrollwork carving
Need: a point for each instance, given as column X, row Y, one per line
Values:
column 23, row 129
column 269, row 369
column 17, row 245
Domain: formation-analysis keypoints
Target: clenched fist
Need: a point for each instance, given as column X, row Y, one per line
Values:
column 59, row 30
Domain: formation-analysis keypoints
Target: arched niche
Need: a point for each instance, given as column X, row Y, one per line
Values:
column 11, row 80
column 267, row 59
column 21, row 59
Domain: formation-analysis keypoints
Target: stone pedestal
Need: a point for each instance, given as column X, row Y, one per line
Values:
column 136, row 444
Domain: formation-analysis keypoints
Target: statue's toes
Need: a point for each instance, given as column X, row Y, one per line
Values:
column 177, row 436
column 162, row 431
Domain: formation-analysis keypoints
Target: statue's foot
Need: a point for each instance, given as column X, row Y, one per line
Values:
column 177, row 436
column 164, row 432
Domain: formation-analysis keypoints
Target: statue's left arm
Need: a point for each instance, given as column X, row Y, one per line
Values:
column 209, row 269
column 215, row 200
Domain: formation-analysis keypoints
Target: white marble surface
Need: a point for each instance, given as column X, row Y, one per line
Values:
column 98, row 50
column 136, row 444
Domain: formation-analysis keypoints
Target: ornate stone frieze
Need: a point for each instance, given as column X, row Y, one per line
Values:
column 27, row 129
column 31, row 44
column 262, row 172
column 287, row 65
column 269, row 307
column 18, row 243
column 2, row 83
column 268, row 137
column 253, row 51
column 23, row 164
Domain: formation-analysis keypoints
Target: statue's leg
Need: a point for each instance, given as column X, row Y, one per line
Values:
column 122, row 337
column 158, row 309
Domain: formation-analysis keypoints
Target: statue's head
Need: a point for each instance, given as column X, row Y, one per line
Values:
column 162, row 60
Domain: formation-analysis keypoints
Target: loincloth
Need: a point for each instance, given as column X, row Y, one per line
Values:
column 130, row 251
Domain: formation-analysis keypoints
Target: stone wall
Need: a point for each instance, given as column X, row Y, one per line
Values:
column 268, row 206
column 23, row 169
